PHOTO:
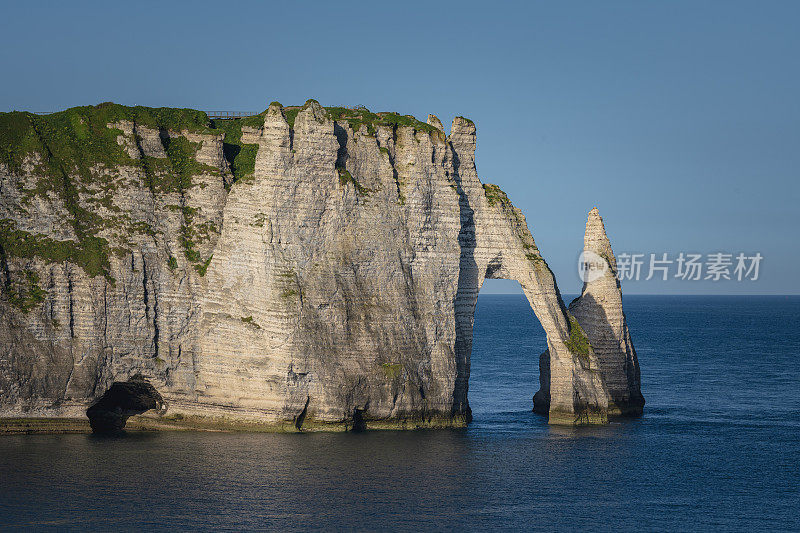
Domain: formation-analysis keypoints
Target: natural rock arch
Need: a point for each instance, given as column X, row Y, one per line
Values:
column 332, row 283
column 426, row 368
column 496, row 243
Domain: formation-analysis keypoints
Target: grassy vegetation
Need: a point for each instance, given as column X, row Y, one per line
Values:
column 495, row 195
column 356, row 117
column 76, row 157
column 578, row 343
column 187, row 234
column 25, row 294
column 392, row 370
column 363, row 116
column 259, row 221
column 345, row 177
column 78, row 138
column 240, row 156
column 91, row 254
column 203, row 267
column 288, row 279
column 172, row 263
column 249, row 320
column 181, row 155
column 291, row 115
column 176, row 173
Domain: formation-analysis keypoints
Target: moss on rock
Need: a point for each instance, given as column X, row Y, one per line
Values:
column 91, row 254
column 75, row 156
column 578, row 342
column 345, row 177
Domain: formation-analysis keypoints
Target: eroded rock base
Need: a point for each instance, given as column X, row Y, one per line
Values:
column 121, row 401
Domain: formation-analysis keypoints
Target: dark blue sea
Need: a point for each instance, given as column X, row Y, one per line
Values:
column 718, row 447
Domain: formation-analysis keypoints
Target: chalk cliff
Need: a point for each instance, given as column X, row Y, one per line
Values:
column 599, row 311
column 306, row 267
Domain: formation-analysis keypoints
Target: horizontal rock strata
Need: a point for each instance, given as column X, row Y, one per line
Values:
column 599, row 312
column 307, row 267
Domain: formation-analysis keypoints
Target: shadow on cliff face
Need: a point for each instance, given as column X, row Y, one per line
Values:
column 629, row 400
column 230, row 151
column 541, row 400
column 121, row 401
column 466, row 298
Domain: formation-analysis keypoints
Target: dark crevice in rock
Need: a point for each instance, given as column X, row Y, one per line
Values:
column 392, row 157
column 147, row 306
column 358, row 423
column 105, row 316
column 541, row 400
column 145, row 296
column 466, row 295
column 229, row 152
column 71, row 296
column 121, row 401
column 341, row 152
column 298, row 423
column 4, row 269
column 293, row 378
column 148, row 171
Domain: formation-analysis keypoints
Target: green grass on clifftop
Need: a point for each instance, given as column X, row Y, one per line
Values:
column 495, row 195
column 75, row 156
column 79, row 138
column 360, row 115
column 363, row 116
column 240, row 156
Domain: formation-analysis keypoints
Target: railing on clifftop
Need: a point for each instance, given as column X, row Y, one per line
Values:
column 223, row 115
column 213, row 115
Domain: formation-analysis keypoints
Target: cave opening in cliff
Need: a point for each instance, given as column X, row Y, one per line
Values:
column 507, row 342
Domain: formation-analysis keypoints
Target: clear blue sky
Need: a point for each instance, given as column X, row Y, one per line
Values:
column 679, row 120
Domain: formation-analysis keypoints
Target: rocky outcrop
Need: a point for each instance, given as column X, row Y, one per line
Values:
column 306, row 267
column 599, row 312
column 121, row 401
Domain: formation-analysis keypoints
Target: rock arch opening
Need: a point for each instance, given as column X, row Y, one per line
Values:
column 507, row 339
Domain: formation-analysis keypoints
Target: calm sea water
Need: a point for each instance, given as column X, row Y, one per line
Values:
column 718, row 447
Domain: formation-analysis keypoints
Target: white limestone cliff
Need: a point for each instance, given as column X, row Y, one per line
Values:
column 599, row 311
column 334, row 286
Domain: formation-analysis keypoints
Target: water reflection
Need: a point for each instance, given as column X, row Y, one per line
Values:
column 701, row 458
